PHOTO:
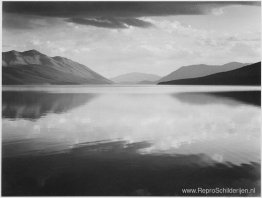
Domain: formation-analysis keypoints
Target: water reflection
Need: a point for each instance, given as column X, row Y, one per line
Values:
column 170, row 124
column 129, row 144
column 230, row 98
column 117, row 168
column 33, row 105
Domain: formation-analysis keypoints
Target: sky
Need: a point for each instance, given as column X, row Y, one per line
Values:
column 114, row 38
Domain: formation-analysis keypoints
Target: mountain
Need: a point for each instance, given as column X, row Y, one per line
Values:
column 247, row 75
column 201, row 70
column 33, row 67
column 136, row 78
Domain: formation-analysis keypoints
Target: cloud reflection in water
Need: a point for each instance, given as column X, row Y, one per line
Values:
column 224, row 129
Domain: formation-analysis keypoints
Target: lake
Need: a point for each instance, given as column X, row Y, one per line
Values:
column 130, row 140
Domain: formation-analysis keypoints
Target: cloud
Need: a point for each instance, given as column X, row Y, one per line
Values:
column 111, row 22
column 12, row 21
column 243, row 49
column 218, row 11
column 114, row 14
column 120, row 9
column 26, row 22
column 174, row 41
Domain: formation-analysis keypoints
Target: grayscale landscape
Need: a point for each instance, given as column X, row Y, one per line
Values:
column 131, row 98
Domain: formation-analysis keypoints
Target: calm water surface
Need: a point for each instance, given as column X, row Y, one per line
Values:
column 142, row 140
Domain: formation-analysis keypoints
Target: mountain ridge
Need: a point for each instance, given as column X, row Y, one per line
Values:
column 200, row 70
column 33, row 67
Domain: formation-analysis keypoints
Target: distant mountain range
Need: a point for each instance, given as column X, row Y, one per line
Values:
column 33, row 67
column 245, row 75
column 136, row 78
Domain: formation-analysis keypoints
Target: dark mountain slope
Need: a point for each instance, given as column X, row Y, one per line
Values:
column 247, row 75
column 195, row 71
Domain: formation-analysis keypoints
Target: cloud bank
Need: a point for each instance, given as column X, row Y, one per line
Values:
column 112, row 14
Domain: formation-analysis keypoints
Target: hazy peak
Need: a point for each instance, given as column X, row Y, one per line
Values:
column 135, row 77
column 234, row 63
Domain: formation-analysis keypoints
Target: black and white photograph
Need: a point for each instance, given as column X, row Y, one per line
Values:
column 131, row 98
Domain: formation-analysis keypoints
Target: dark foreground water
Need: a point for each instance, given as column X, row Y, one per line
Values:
column 130, row 141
